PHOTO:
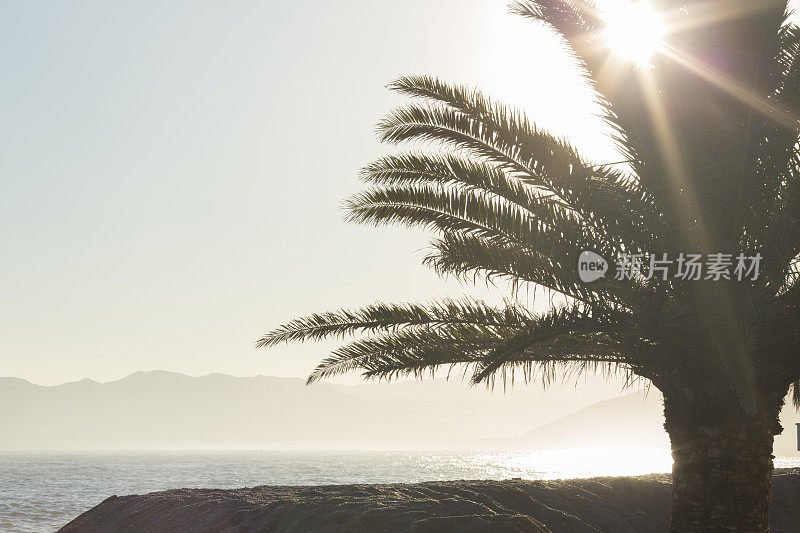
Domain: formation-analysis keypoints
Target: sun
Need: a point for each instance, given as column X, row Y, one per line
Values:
column 633, row 30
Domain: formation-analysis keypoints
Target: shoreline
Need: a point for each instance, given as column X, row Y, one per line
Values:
column 619, row 504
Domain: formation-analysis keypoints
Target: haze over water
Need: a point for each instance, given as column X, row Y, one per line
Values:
column 41, row 492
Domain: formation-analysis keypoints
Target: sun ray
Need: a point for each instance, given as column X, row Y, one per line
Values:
column 735, row 88
column 675, row 166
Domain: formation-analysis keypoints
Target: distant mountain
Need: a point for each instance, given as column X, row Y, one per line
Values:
column 632, row 420
column 166, row 410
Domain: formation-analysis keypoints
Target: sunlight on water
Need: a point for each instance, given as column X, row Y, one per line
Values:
column 787, row 462
column 555, row 464
column 41, row 492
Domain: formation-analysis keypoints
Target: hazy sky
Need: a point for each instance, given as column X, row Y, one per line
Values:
column 172, row 172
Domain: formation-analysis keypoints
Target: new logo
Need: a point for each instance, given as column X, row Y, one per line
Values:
column 591, row 266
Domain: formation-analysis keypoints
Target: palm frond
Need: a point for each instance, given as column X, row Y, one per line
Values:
column 423, row 351
column 452, row 170
column 578, row 21
column 471, row 212
column 551, row 267
column 419, row 349
column 388, row 317
column 505, row 137
column 575, row 321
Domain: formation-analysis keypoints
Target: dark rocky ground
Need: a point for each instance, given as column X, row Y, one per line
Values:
column 611, row 504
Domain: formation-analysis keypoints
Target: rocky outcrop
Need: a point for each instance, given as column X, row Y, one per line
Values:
column 636, row 504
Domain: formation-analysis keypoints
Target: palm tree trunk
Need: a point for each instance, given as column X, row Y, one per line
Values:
column 722, row 465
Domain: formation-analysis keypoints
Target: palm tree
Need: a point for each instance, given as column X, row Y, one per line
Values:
column 710, row 138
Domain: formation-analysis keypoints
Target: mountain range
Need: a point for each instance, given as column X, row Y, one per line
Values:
column 167, row 410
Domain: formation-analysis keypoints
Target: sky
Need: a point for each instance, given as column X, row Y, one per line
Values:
column 172, row 173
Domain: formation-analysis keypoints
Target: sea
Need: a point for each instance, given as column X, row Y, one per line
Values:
column 40, row 492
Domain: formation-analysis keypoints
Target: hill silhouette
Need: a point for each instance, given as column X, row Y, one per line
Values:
column 167, row 410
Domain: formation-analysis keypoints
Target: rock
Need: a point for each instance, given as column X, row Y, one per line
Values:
column 618, row 504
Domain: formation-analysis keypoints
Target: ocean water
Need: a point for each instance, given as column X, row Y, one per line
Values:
column 43, row 491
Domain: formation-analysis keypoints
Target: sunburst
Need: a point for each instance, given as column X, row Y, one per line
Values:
column 634, row 31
